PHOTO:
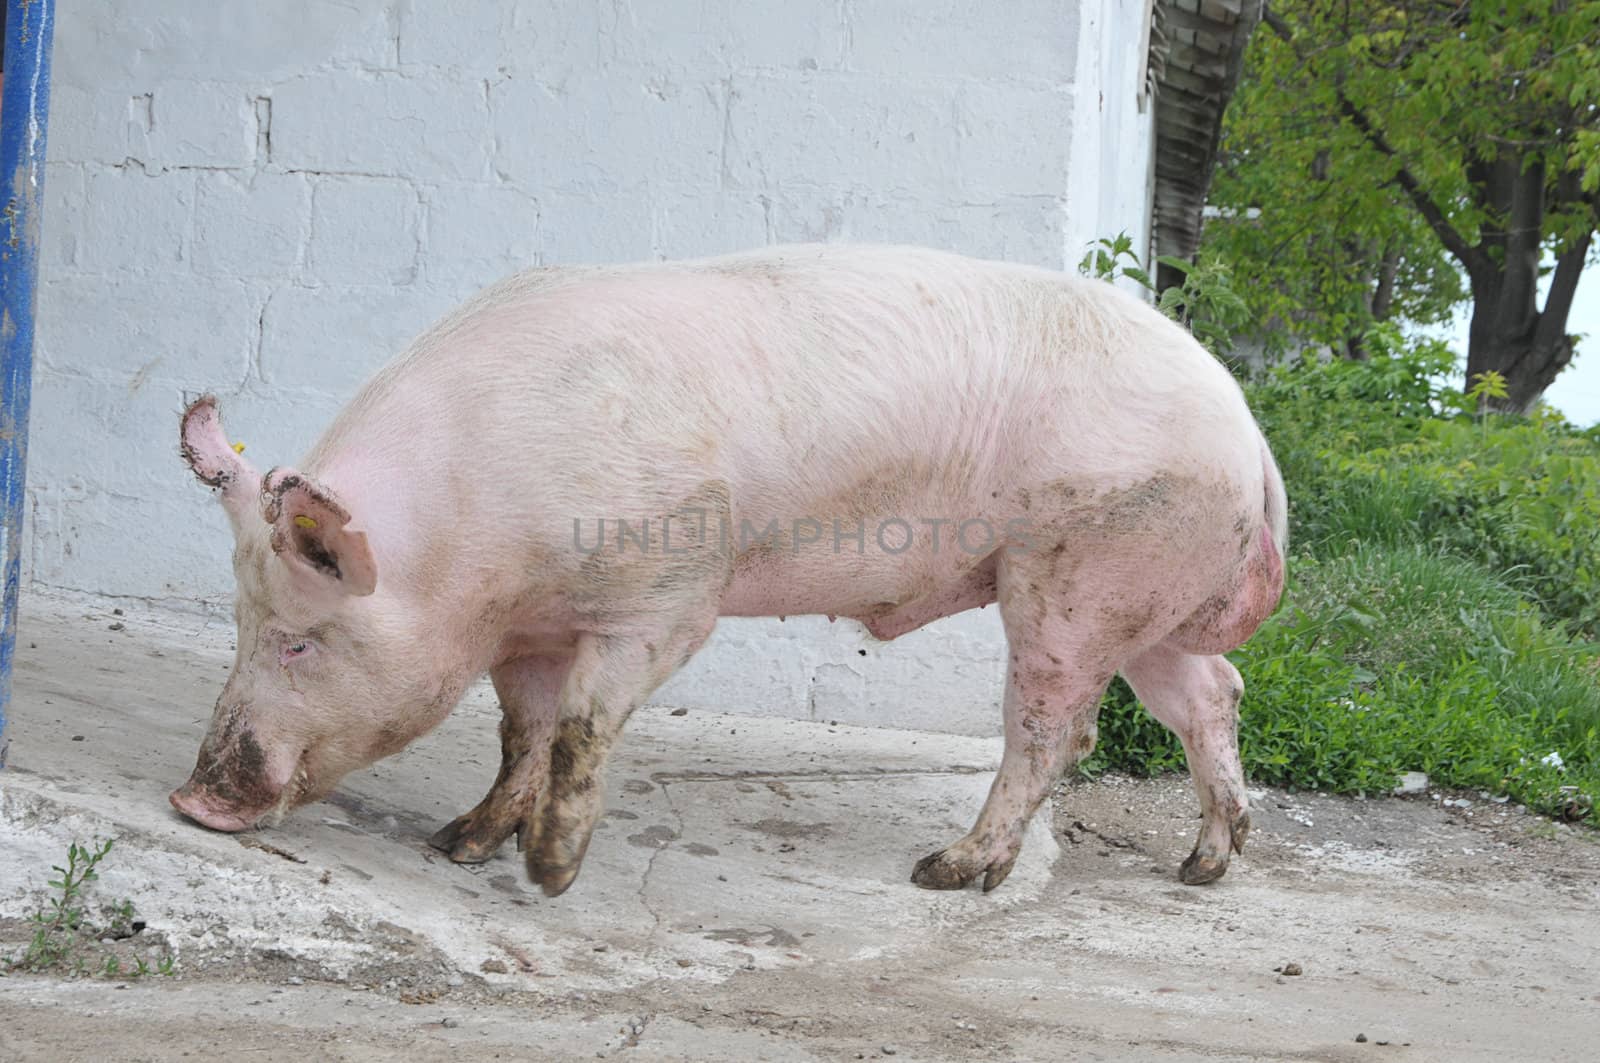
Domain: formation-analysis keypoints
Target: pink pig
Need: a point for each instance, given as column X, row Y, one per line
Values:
column 568, row 480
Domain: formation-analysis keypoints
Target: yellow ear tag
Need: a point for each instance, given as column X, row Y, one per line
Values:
column 305, row 522
column 238, row 448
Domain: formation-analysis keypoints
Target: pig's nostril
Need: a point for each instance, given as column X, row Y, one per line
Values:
column 183, row 799
column 197, row 807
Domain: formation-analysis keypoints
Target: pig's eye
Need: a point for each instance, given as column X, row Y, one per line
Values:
column 295, row 649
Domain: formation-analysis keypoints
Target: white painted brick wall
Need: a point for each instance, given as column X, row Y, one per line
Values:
column 270, row 200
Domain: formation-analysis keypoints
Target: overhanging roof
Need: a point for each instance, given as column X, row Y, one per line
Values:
column 1196, row 51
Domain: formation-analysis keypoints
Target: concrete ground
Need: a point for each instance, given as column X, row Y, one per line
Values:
column 747, row 897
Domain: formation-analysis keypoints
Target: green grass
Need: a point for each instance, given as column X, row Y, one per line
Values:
column 1380, row 453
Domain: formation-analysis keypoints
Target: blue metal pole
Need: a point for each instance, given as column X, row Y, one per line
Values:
column 26, row 105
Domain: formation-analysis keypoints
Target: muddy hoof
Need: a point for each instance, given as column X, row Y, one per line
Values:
column 940, row 871
column 995, row 874
column 554, row 876
column 553, row 856
column 1238, row 831
column 1198, row 870
column 464, row 843
column 553, row 879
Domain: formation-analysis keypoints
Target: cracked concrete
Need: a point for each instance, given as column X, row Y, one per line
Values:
column 746, row 897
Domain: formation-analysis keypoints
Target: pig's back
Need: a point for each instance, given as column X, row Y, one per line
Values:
column 840, row 339
column 866, row 379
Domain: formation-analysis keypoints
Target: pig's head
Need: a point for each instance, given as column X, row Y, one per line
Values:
column 327, row 678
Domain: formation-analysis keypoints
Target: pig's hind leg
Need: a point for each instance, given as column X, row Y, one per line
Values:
column 1197, row 697
column 1195, row 692
column 1060, row 664
column 611, row 675
column 528, row 689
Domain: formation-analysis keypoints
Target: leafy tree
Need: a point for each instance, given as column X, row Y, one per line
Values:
column 1377, row 150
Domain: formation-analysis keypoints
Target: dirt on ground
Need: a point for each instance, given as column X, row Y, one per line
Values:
column 747, row 898
column 1444, row 927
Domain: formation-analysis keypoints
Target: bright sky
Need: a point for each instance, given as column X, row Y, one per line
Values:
column 1576, row 391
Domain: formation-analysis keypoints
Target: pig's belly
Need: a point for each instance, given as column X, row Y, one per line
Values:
column 889, row 593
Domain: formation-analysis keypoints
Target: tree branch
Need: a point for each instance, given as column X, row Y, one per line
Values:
column 1569, row 264
column 1276, row 24
column 1493, row 181
column 1563, row 287
column 1383, row 298
column 1471, row 257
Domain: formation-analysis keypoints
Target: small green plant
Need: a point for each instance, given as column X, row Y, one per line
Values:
column 1206, row 303
column 1111, row 257
column 59, row 923
column 63, row 935
column 1487, row 385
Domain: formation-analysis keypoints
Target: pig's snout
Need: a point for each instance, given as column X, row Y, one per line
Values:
column 232, row 785
column 204, row 807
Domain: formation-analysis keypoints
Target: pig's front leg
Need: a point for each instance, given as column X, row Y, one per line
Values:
column 529, row 690
column 611, row 675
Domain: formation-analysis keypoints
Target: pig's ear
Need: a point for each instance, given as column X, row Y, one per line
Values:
column 216, row 462
column 311, row 529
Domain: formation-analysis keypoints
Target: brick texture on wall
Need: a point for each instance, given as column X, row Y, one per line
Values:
column 269, row 200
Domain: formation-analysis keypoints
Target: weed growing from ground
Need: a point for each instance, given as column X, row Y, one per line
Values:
column 65, row 940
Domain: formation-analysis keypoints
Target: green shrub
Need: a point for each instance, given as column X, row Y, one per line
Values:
column 1382, row 452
